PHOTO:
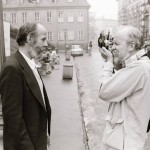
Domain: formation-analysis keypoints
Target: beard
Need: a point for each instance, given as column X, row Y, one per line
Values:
column 32, row 53
column 117, row 63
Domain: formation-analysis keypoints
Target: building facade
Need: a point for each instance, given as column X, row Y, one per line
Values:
column 67, row 21
column 106, row 25
column 135, row 13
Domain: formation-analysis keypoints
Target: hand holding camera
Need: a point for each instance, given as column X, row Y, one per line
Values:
column 106, row 54
column 112, row 56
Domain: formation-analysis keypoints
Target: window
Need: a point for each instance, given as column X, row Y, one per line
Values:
column 19, row 1
column 81, row 35
column 14, row 18
column 61, row 36
column 71, row 35
column 49, row 17
column 37, row 17
column 70, row 17
column 70, row 0
column 80, row 17
column 24, row 17
column 4, row 17
column 60, row 16
column 50, row 36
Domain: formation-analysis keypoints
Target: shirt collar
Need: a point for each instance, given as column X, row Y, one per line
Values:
column 137, row 56
column 30, row 62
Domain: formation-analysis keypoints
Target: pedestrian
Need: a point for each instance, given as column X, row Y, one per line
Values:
column 90, row 47
column 127, row 91
column 25, row 104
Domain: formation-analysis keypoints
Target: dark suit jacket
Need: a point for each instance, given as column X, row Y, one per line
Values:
column 24, row 113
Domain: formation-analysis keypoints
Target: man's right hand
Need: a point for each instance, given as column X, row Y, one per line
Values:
column 106, row 54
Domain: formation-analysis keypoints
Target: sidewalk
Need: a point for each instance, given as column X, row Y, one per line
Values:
column 66, row 128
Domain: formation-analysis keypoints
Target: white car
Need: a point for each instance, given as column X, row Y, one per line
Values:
column 76, row 50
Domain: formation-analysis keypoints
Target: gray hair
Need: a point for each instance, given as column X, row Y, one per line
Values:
column 134, row 35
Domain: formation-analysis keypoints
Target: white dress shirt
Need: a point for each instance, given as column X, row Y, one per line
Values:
column 132, row 85
column 33, row 67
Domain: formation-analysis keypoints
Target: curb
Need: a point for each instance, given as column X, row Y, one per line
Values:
column 85, row 138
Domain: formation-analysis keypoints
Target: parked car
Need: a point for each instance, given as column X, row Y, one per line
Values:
column 76, row 50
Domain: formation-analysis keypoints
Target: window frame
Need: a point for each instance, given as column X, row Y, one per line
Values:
column 60, row 16
column 50, row 35
column 70, row 17
column 61, row 36
column 81, row 35
column 49, row 17
column 24, row 17
column 80, row 17
column 35, row 17
column 13, row 17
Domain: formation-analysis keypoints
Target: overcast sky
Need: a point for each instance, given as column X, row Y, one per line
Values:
column 104, row 8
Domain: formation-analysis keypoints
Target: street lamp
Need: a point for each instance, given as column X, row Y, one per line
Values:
column 65, row 35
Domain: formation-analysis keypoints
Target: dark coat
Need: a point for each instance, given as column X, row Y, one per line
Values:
column 24, row 113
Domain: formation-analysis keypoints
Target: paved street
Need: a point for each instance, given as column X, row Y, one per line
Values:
column 89, row 71
column 67, row 132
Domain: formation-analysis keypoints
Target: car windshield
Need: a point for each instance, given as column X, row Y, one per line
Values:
column 75, row 46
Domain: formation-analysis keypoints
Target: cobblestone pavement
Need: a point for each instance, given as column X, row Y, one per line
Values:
column 89, row 71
